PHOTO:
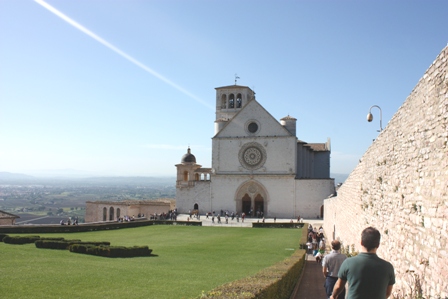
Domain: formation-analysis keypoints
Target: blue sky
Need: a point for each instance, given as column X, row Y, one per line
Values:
column 128, row 87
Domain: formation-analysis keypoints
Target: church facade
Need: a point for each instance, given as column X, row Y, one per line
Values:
column 258, row 164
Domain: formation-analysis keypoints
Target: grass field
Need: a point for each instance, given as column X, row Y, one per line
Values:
column 188, row 260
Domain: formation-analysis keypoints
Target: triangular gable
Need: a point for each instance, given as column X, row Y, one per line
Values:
column 4, row 214
column 268, row 125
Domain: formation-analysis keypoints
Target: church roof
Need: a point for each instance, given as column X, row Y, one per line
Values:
column 232, row 86
column 188, row 157
column 318, row 147
column 288, row 117
column 252, row 102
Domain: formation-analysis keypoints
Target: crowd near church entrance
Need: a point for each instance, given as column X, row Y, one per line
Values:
column 250, row 198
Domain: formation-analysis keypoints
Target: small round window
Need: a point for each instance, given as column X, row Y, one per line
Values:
column 252, row 127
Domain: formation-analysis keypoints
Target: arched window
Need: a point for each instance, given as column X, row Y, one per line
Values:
column 186, row 176
column 239, row 101
column 223, row 101
column 232, row 101
column 111, row 213
column 118, row 213
column 104, row 214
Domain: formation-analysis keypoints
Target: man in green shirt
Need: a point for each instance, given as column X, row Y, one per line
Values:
column 368, row 276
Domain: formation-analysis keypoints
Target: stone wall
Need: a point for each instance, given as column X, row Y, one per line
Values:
column 400, row 186
column 96, row 211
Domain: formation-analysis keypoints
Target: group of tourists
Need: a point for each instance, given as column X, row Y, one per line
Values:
column 69, row 221
column 316, row 241
column 226, row 216
column 367, row 275
column 171, row 215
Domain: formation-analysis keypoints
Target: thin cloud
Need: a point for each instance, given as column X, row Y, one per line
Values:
column 119, row 52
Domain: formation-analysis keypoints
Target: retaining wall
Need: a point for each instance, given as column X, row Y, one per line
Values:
column 400, row 186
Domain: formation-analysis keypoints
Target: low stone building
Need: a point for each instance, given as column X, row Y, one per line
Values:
column 97, row 211
column 7, row 218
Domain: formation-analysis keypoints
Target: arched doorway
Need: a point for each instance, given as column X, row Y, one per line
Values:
column 251, row 197
column 259, row 205
column 246, row 204
column 118, row 213
column 196, row 206
column 111, row 214
column 104, row 214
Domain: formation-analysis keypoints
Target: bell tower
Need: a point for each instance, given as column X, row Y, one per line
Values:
column 229, row 101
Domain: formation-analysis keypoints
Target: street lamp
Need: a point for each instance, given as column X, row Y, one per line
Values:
column 370, row 116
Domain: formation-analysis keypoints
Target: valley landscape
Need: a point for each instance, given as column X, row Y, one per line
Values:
column 39, row 200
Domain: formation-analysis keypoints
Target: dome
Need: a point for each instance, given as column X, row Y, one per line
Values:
column 188, row 157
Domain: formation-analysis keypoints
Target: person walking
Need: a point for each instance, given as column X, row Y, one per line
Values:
column 330, row 268
column 368, row 276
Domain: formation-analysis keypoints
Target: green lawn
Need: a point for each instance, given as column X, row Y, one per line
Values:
column 189, row 260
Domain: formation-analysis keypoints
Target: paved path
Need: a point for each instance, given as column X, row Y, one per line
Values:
column 311, row 284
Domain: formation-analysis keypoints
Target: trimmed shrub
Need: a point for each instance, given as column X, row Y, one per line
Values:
column 111, row 251
column 87, row 227
column 277, row 225
column 95, row 243
column 276, row 282
column 52, row 238
column 2, row 236
column 79, row 248
column 59, row 243
column 20, row 239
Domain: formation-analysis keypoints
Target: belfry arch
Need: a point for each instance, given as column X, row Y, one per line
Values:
column 251, row 196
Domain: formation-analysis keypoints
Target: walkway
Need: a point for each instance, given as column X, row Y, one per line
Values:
column 311, row 284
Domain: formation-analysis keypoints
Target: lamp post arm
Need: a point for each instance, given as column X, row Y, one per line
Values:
column 381, row 116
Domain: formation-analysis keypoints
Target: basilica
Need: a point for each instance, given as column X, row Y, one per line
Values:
column 259, row 166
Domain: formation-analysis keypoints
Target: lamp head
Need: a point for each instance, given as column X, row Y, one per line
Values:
column 369, row 117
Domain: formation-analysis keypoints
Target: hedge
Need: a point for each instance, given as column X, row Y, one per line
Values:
column 278, row 225
column 90, row 247
column 111, row 251
column 61, row 243
column 55, row 244
column 20, row 239
column 2, row 236
column 275, row 282
column 87, row 227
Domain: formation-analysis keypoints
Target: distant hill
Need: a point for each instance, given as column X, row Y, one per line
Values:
column 20, row 178
column 130, row 180
column 7, row 176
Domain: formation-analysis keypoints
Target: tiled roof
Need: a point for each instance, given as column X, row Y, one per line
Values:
column 4, row 214
column 288, row 118
column 318, row 147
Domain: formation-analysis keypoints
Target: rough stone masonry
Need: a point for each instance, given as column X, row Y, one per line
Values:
column 400, row 186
